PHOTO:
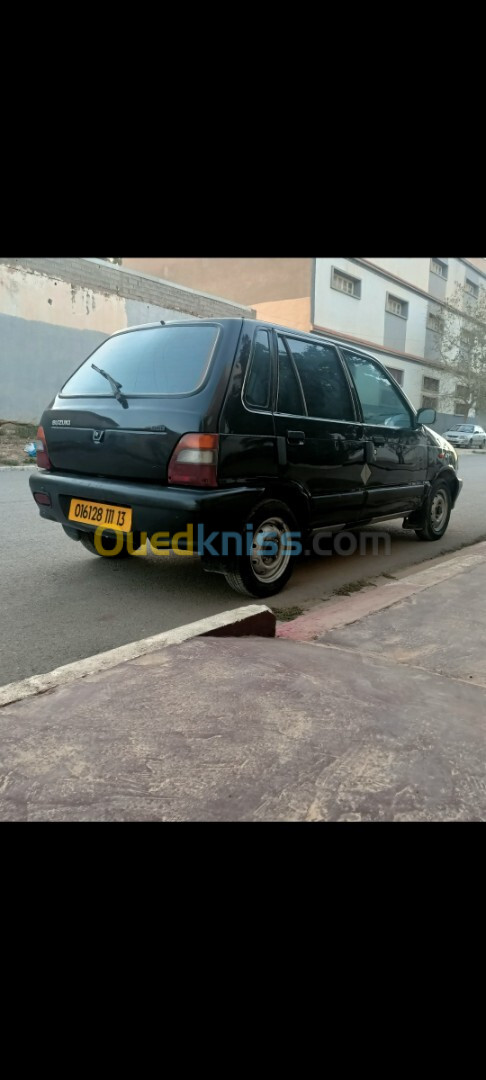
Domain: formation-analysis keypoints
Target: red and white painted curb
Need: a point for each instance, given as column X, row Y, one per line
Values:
column 348, row 609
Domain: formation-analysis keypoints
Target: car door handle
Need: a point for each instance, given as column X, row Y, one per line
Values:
column 296, row 438
column 379, row 440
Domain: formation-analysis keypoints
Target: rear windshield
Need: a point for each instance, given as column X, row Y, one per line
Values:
column 158, row 360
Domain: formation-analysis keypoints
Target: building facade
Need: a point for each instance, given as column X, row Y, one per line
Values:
column 393, row 307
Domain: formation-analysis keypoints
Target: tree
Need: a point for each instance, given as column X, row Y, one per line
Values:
column 462, row 348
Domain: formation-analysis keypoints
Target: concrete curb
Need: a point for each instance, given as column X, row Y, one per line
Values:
column 253, row 619
column 338, row 613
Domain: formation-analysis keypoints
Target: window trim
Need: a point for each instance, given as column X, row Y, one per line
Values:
column 347, row 277
column 398, row 300
column 247, row 404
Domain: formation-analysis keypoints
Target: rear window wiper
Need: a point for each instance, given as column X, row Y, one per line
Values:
column 115, row 386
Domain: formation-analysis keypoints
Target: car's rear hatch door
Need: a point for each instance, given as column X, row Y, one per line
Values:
column 159, row 375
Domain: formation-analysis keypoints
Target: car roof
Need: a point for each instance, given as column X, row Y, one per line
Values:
column 309, row 335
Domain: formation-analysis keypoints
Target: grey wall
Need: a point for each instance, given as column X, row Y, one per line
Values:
column 395, row 332
column 35, row 360
column 83, row 301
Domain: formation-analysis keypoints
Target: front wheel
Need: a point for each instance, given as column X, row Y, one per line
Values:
column 438, row 512
column 267, row 564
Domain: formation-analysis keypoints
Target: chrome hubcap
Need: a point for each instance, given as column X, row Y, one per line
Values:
column 270, row 550
column 438, row 510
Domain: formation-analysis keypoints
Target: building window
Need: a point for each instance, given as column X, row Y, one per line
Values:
column 396, row 306
column 430, row 384
column 471, row 288
column 434, row 322
column 467, row 339
column 438, row 267
column 346, row 284
column 461, row 408
column 462, row 393
column 429, row 402
column 397, row 374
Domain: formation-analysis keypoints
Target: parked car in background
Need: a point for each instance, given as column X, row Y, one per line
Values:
column 466, row 435
column 445, row 450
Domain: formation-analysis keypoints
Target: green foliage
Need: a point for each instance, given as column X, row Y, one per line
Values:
column 463, row 346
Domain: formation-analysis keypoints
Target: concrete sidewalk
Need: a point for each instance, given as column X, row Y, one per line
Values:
column 380, row 716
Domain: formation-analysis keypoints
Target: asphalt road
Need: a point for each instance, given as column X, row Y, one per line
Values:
column 58, row 603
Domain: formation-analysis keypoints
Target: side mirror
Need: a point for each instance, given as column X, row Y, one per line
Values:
column 426, row 416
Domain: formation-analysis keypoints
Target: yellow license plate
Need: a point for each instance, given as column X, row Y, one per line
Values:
column 101, row 515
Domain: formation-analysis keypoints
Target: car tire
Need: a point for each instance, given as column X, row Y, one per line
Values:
column 483, row 444
column 470, row 443
column 109, row 542
column 438, row 512
column 256, row 574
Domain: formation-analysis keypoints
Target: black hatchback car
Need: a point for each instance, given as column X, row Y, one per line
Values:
column 235, row 439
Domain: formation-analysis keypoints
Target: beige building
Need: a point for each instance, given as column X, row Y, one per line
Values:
column 388, row 305
column 278, row 289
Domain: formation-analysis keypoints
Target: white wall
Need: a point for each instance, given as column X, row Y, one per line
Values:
column 416, row 271
column 364, row 318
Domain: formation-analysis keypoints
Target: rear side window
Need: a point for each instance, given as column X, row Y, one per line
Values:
column 290, row 398
column 158, row 360
column 324, row 383
column 257, row 390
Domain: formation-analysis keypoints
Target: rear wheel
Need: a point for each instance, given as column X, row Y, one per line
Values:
column 109, row 542
column 268, row 567
column 438, row 512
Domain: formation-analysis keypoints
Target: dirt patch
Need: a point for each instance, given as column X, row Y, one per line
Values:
column 13, row 438
column 287, row 613
column 353, row 586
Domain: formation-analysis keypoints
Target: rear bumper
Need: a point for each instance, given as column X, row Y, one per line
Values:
column 155, row 509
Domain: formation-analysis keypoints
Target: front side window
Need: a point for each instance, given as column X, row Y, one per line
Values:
column 380, row 401
column 326, row 391
column 156, row 360
column 257, row 390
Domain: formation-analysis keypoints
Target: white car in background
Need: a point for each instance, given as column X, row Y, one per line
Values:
column 466, row 435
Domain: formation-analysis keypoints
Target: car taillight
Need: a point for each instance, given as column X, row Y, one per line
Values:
column 195, row 461
column 42, row 457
